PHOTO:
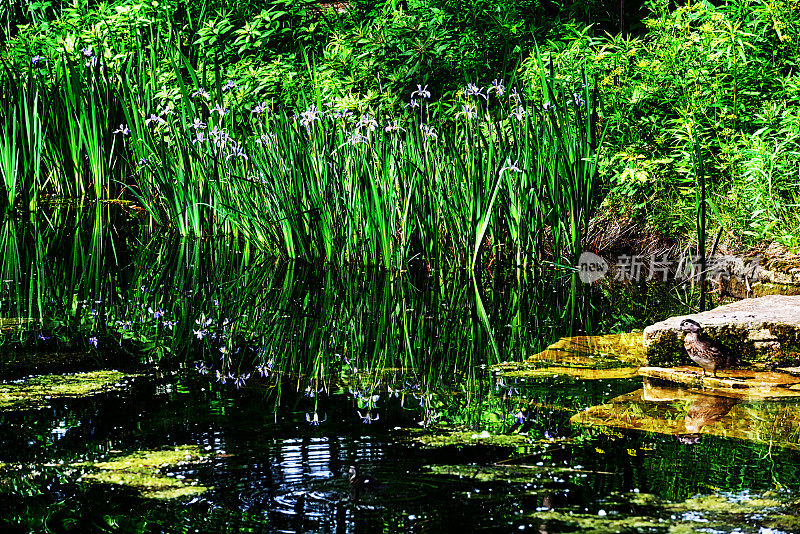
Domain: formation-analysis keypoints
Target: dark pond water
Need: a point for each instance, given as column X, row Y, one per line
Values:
column 273, row 379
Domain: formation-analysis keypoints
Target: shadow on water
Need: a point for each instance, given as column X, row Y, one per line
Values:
column 281, row 377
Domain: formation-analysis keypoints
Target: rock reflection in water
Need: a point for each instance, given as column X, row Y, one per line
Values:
column 664, row 408
column 704, row 409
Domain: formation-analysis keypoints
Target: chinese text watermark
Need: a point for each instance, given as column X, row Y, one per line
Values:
column 634, row 268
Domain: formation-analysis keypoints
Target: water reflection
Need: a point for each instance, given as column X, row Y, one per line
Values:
column 704, row 410
column 109, row 292
column 668, row 408
column 287, row 375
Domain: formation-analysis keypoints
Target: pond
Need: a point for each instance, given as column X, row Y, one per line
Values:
column 154, row 385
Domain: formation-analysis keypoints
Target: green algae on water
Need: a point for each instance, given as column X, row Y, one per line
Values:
column 508, row 472
column 36, row 391
column 742, row 512
column 143, row 471
column 725, row 505
column 597, row 523
column 464, row 438
column 10, row 325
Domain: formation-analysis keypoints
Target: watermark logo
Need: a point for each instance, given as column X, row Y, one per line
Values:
column 591, row 267
column 634, row 268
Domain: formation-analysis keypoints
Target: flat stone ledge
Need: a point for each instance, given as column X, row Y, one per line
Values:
column 591, row 350
column 737, row 383
column 603, row 357
column 761, row 329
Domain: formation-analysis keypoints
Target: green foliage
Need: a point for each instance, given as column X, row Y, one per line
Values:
column 434, row 185
column 700, row 72
column 720, row 75
column 22, row 143
column 325, row 185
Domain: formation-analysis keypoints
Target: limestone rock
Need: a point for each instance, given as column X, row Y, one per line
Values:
column 777, row 273
column 588, row 350
column 603, row 357
column 758, row 330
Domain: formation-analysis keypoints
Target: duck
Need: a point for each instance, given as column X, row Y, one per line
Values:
column 360, row 483
column 706, row 353
column 364, row 481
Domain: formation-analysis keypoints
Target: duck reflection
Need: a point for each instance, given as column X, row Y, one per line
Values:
column 705, row 410
column 561, row 497
column 556, row 499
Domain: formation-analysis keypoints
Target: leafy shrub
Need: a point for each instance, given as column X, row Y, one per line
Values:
column 698, row 75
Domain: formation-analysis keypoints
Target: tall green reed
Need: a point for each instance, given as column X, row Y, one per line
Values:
column 347, row 191
column 22, row 143
column 80, row 109
column 700, row 213
column 60, row 118
column 506, row 180
column 172, row 173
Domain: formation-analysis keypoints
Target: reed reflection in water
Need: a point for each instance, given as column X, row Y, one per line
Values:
column 287, row 374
